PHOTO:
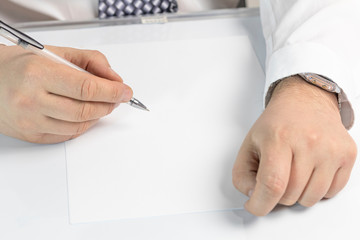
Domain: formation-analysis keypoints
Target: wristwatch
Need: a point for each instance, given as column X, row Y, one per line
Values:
column 345, row 109
column 323, row 83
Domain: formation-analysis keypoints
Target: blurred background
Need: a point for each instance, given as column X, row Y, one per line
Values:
column 252, row 3
column 25, row 11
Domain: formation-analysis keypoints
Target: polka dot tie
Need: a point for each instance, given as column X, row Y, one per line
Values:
column 121, row 8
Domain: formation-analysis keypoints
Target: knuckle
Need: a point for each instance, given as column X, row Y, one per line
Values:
column 86, row 112
column 88, row 89
column 282, row 133
column 278, row 133
column 312, row 140
column 116, row 94
column 274, row 184
column 97, row 54
column 68, row 55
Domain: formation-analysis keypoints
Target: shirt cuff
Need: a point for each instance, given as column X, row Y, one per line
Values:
column 315, row 58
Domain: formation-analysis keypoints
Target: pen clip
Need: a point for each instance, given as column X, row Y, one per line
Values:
column 20, row 36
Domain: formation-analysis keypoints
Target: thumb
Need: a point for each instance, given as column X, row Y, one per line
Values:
column 245, row 168
column 92, row 61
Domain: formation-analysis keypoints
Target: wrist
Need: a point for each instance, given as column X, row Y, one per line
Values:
column 297, row 90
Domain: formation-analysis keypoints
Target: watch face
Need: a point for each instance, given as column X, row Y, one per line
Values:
column 321, row 82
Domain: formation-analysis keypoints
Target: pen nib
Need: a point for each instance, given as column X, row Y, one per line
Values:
column 137, row 104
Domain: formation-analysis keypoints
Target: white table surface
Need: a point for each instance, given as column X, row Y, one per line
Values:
column 34, row 201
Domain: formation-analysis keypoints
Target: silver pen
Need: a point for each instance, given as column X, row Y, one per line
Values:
column 28, row 43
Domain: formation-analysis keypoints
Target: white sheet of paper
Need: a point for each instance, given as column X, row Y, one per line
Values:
column 203, row 96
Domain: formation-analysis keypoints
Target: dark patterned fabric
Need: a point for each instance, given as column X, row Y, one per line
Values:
column 120, row 8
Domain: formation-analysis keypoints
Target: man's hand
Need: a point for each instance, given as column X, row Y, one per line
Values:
column 45, row 102
column 297, row 151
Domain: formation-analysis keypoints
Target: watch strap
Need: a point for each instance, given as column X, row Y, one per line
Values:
column 321, row 82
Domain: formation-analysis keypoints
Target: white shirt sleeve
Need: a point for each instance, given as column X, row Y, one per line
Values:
column 318, row 36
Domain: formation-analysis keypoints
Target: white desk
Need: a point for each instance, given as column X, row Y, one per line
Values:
column 34, row 202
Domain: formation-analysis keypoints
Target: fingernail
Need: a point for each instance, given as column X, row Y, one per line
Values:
column 250, row 193
column 117, row 105
column 128, row 93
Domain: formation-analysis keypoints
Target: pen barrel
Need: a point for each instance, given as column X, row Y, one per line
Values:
column 47, row 54
column 8, row 36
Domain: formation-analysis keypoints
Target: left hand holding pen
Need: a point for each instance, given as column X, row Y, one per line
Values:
column 297, row 151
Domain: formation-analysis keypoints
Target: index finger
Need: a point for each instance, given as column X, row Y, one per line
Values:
column 68, row 82
column 90, row 60
column 271, row 180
